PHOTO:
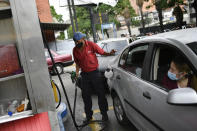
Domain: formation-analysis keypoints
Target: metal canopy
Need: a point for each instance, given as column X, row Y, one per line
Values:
column 54, row 26
column 87, row 2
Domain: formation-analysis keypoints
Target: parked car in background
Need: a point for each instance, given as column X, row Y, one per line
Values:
column 117, row 44
column 136, row 83
column 61, row 61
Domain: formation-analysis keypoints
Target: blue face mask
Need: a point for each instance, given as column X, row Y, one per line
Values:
column 172, row 76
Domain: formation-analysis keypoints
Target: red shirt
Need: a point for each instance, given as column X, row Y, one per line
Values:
column 86, row 59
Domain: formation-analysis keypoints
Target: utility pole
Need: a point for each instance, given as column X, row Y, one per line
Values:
column 75, row 17
column 92, row 23
column 71, row 17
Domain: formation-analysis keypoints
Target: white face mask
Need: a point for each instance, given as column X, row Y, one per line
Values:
column 172, row 76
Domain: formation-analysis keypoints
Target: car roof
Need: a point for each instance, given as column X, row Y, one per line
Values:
column 185, row 36
column 112, row 39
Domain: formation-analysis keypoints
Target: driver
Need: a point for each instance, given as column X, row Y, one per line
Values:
column 179, row 75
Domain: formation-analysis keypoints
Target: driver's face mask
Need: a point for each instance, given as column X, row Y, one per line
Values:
column 172, row 76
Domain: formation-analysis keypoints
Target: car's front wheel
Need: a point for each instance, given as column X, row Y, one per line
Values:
column 119, row 111
column 59, row 67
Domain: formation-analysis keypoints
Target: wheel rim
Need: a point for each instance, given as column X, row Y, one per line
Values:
column 118, row 108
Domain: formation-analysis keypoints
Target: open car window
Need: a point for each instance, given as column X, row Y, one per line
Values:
column 193, row 47
column 163, row 56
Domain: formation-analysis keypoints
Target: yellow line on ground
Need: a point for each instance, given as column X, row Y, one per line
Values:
column 95, row 126
column 98, row 111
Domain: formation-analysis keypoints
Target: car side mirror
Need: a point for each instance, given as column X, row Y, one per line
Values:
column 109, row 73
column 182, row 96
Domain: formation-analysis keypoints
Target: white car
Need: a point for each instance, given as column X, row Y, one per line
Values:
column 135, row 80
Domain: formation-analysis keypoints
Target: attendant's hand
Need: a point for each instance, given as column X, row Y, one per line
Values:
column 112, row 52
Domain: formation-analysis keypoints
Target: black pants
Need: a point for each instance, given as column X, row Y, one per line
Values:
column 93, row 80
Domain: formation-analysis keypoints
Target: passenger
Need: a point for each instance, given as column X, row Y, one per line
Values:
column 179, row 75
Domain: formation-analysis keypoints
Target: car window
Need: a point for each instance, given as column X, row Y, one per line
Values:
column 162, row 60
column 132, row 61
column 117, row 45
column 193, row 47
column 123, row 58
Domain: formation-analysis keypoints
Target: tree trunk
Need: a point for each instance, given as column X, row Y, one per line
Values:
column 128, row 23
column 142, row 19
column 159, row 10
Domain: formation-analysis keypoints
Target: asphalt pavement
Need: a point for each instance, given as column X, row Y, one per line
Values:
column 111, row 125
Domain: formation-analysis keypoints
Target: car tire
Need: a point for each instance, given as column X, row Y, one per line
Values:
column 119, row 111
column 59, row 67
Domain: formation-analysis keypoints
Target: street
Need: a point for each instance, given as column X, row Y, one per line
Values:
column 112, row 124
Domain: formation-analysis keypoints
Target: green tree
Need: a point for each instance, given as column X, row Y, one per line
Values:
column 84, row 23
column 61, row 36
column 83, row 15
column 55, row 15
column 59, row 19
column 118, row 9
column 160, row 5
column 110, row 11
column 123, row 7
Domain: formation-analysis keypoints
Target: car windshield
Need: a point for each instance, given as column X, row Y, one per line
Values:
column 193, row 47
column 116, row 45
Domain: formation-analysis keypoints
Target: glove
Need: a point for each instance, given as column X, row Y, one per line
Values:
column 73, row 76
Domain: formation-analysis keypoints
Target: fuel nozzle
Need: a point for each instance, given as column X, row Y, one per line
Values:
column 73, row 76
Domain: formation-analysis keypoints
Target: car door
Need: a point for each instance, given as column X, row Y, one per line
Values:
column 162, row 115
column 129, row 78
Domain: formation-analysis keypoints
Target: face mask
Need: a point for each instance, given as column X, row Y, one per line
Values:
column 172, row 76
column 79, row 45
